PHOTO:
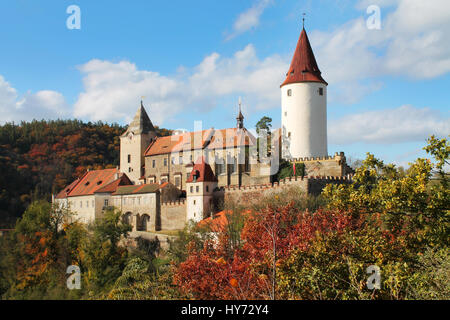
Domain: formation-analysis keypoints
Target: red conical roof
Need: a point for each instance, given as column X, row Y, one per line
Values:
column 303, row 66
column 202, row 171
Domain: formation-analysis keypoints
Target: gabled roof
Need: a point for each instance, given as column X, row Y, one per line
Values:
column 92, row 181
column 303, row 66
column 180, row 142
column 137, row 189
column 64, row 192
column 231, row 138
column 141, row 122
column 202, row 171
column 112, row 187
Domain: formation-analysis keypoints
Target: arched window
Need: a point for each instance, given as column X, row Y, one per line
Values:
column 289, row 92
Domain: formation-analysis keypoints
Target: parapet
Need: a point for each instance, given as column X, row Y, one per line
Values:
column 174, row 203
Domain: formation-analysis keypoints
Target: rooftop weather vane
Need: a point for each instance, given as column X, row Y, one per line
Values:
column 304, row 14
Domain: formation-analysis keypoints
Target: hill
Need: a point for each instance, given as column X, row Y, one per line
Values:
column 39, row 158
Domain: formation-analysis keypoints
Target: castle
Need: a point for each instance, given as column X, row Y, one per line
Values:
column 163, row 182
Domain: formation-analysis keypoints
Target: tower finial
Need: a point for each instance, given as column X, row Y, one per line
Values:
column 240, row 117
column 142, row 101
column 304, row 14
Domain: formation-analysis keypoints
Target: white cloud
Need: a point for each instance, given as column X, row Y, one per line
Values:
column 413, row 42
column 389, row 126
column 45, row 104
column 112, row 90
column 249, row 19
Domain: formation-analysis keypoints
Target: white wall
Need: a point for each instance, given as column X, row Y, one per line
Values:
column 304, row 115
column 198, row 202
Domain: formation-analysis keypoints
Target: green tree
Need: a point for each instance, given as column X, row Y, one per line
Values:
column 102, row 258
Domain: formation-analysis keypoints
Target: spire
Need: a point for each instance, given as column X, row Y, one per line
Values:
column 240, row 117
column 303, row 66
column 141, row 122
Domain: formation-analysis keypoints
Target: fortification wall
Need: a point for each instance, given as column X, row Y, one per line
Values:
column 325, row 166
column 309, row 185
column 173, row 215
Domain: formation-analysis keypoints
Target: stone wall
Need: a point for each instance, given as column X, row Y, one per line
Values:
column 249, row 194
column 173, row 215
column 326, row 166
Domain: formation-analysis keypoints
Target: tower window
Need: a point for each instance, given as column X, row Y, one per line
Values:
column 129, row 158
column 153, row 163
column 165, row 162
column 207, row 188
column 289, row 92
column 192, row 189
column 320, row 91
column 289, row 134
column 129, row 169
column 197, row 189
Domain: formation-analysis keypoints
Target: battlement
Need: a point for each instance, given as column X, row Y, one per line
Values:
column 337, row 157
column 306, row 182
column 174, row 203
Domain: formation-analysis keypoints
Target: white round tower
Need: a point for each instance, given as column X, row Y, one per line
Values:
column 304, row 105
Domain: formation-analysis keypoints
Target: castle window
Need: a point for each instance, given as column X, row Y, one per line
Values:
column 285, row 114
column 81, row 204
column 192, row 189
column 87, row 204
column 289, row 92
column 197, row 189
column 153, row 163
column 129, row 169
column 165, row 162
column 207, row 188
column 194, row 202
column 180, row 160
column 129, row 158
column 289, row 134
column 177, row 181
column 320, row 91
column 172, row 160
column 106, row 202
column 93, row 203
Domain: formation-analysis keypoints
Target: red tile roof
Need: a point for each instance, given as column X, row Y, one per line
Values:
column 64, row 192
column 211, row 138
column 89, row 183
column 230, row 138
column 203, row 172
column 180, row 142
column 217, row 222
column 303, row 66
column 112, row 187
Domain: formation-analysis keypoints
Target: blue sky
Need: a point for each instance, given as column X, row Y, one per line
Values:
column 388, row 88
